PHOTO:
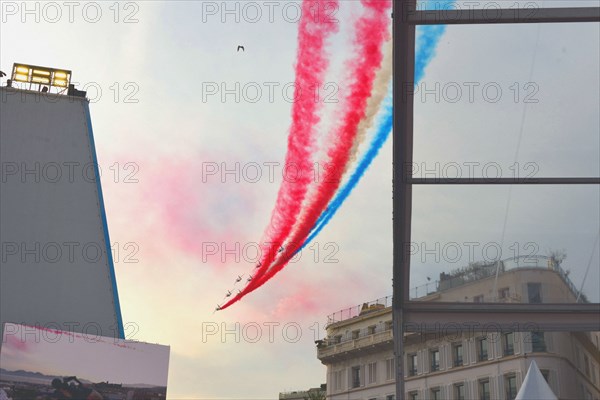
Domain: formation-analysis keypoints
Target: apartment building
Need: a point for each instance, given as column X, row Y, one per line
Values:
column 477, row 363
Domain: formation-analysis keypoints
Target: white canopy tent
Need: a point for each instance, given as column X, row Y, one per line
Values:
column 535, row 386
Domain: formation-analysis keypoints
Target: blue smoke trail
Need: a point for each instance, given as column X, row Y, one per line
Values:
column 427, row 40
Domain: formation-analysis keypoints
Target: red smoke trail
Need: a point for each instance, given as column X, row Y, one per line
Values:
column 371, row 32
column 311, row 65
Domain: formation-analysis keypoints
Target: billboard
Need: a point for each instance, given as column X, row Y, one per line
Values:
column 43, row 363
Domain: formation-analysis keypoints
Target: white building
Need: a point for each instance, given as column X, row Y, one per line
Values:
column 56, row 269
column 475, row 364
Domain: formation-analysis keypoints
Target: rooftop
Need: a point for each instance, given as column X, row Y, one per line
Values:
column 461, row 276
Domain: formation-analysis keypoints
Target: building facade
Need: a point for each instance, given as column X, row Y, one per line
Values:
column 310, row 394
column 477, row 363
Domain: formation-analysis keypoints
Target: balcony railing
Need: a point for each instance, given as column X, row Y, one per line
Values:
column 362, row 309
column 331, row 348
column 452, row 281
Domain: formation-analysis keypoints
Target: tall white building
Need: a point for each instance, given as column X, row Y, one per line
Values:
column 56, row 265
column 477, row 363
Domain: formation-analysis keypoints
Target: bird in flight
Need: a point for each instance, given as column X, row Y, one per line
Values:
column 240, row 47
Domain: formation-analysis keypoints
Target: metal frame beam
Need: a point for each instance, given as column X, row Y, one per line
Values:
column 500, row 16
column 411, row 316
column 503, row 181
column 404, row 76
column 429, row 317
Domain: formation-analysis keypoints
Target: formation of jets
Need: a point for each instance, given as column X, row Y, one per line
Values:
column 250, row 277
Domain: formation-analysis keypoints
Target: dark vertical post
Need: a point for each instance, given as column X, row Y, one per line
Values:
column 404, row 66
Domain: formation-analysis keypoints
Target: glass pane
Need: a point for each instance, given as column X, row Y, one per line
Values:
column 510, row 101
column 467, row 246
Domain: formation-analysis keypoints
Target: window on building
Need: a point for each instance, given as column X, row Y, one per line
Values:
column 355, row 334
column 337, row 381
column 371, row 329
column 436, row 394
column 390, row 397
column 412, row 364
column 459, row 391
column 478, row 299
column 372, row 367
column 482, row 349
column 508, row 344
column 510, row 383
column 538, row 344
column 390, row 369
column 434, row 355
column 534, row 292
column 484, row 389
column 546, row 374
column 504, row 293
column 413, row 395
column 337, row 338
column 457, row 354
column 355, row 377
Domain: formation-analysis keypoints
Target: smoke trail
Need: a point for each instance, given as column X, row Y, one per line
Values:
column 371, row 31
column 311, row 65
column 383, row 131
column 380, row 89
column 427, row 40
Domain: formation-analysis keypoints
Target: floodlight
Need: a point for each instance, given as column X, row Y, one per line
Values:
column 34, row 74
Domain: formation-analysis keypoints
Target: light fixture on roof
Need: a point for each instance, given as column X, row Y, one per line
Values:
column 41, row 76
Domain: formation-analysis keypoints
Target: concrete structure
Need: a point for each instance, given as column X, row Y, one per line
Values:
column 310, row 394
column 474, row 363
column 56, row 267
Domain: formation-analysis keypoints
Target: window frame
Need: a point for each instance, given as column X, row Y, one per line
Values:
column 434, row 359
column 355, row 381
column 427, row 317
column 412, row 364
column 480, row 354
column 506, row 350
column 538, row 342
column 455, row 391
column 455, row 360
column 372, row 373
column 390, row 369
column 483, row 384
column 508, row 389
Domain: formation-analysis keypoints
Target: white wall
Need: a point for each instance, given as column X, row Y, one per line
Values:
column 55, row 266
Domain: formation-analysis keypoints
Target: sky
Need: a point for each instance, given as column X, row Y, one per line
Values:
column 182, row 233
